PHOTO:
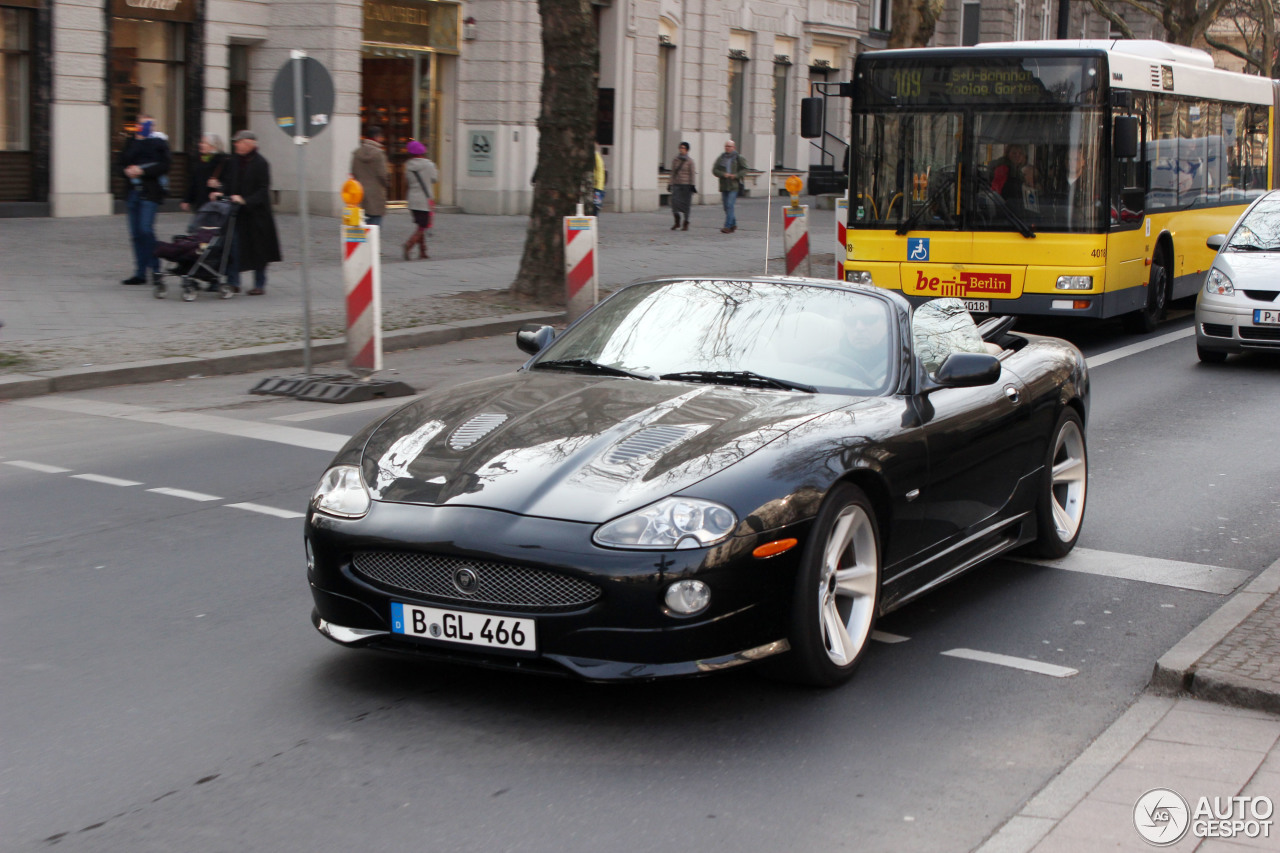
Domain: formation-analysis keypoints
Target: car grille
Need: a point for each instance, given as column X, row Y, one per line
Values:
column 1216, row 330
column 498, row 585
column 1261, row 295
column 1258, row 333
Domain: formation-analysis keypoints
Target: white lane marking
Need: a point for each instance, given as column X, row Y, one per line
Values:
column 886, row 637
column 1194, row 576
column 105, row 480
column 333, row 410
column 1133, row 349
column 295, row 436
column 269, row 510
column 1016, row 663
column 183, row 493
column 37, row 466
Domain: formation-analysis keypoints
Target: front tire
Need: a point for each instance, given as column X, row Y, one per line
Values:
column 837, row 595
column 1060, row 508
column 1144, row 320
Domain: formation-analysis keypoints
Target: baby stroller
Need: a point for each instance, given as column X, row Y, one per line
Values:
column 200, row 257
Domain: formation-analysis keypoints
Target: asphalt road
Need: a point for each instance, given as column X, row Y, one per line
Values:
column 164, row 690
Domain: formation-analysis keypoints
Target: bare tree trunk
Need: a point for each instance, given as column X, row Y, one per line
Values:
column 566, row 143
column 914, row 22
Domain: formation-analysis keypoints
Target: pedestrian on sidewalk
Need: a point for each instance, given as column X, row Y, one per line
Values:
column 144, row 162
column 683, row 178
column 369, row 167
column 729, row 168
column 420, row 177
column 247, row 182
column 206, row 177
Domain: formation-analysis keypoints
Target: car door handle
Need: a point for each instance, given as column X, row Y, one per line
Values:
column 1012, row 393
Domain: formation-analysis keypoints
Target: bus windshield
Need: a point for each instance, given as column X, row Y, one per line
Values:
column 1005, row 145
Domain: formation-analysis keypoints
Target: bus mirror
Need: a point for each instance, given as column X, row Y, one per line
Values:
column 1125, row 143
column 811, row 117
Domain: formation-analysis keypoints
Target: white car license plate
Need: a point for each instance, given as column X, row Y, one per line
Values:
column 459, row 626
column 977, row 306
column 1266, row 317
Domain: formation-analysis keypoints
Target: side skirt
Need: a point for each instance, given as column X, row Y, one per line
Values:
column 989, row 542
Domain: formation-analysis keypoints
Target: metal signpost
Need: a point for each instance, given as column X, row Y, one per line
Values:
column 302, row 100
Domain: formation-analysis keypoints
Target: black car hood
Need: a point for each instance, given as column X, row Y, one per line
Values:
column 563, row 445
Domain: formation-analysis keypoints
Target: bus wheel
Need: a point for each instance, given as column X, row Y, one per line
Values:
column 1145, row 319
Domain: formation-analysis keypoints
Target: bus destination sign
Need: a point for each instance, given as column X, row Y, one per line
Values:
column 939, row 83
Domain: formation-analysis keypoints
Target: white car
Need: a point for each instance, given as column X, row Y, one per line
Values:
column 1238, row 309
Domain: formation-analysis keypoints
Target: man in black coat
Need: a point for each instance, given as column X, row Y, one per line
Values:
column 247, row 182
column 144, row 162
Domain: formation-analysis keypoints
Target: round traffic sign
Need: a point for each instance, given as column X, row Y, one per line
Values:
column 317, row 98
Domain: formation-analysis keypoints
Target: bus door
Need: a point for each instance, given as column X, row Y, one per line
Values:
column 1129, row 243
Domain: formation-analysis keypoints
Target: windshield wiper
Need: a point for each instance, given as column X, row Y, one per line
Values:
column 914, row 218
column 739, row 377
column 588, row 365
column 1252, row 247
column 1023, row 228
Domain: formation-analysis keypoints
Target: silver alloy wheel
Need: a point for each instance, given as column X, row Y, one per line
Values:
column 848, row 584
column 1070, row 476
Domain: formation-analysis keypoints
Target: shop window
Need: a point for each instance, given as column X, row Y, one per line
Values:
column 737, row 97
column 15, row 79
column 238, row 86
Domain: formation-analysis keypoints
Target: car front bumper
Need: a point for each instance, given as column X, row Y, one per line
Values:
column 1225, row 324
column 625, row 633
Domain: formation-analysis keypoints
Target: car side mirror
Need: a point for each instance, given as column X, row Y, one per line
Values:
column 1216, row 242
column 967, row 370
column 533, row 338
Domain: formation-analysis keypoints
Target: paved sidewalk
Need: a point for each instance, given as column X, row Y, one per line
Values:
column 64, row 308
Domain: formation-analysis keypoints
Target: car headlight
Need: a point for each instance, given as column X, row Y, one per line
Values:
column 670, row 523
column 858, row 276
column 1216, row 283
column 342, row 492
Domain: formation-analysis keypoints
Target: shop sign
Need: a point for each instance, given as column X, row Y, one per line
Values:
column 420, row 24
column 155, row 10
column 480, row 153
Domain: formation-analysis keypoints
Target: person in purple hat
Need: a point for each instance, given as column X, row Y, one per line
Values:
column 420, row 175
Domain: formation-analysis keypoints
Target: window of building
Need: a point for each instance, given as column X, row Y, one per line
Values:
column 238, row 86
column 970, row 18
column 666, row 79
column 1046, row 20
column 882, row 15
column 737, row 95
column 1019, row 20
column 15, row 79
column 781, row 80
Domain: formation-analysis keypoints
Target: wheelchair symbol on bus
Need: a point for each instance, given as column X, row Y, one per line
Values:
column 918, row 249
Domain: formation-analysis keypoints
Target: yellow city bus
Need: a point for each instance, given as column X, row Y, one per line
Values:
column 1061, row 178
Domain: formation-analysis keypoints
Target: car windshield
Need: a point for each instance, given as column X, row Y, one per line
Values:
column 1259, row 229
column 783, row 336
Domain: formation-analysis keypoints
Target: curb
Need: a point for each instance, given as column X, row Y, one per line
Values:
column 1175, row 672
column 249, row 359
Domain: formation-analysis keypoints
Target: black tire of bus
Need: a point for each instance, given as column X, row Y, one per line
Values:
column 1145, row 319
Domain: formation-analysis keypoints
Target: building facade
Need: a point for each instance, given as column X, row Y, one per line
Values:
column 463, row 77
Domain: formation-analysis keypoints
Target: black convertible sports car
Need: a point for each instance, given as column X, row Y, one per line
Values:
column 702, row 473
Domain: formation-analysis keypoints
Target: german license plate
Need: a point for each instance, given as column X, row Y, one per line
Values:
column 460, row 626
column 1266, row 317
column 977, row 306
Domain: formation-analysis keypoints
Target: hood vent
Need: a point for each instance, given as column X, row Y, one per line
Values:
column 475, row 429
column 647, row 442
